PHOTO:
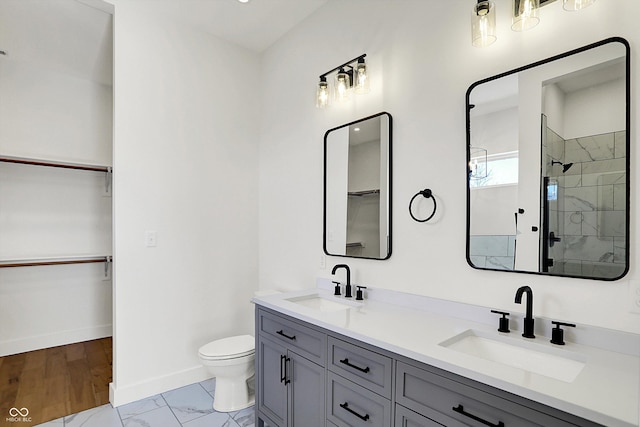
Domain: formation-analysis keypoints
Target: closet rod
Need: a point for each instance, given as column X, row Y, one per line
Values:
column 55, row 165
column 6, row 264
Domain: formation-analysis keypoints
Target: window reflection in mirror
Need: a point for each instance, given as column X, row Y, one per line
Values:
column 548, row 175
column 357, row 189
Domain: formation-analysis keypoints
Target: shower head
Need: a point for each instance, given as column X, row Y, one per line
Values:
column 565, row 166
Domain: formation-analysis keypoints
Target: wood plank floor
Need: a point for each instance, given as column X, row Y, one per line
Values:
column 56, row 381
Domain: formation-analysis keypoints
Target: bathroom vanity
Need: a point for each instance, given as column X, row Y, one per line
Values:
column 400, row 360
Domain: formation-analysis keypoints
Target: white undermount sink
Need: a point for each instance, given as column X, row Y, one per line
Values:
column 514, row 351
column 322, row 302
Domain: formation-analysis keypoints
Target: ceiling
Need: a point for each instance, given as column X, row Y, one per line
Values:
column 76, row 36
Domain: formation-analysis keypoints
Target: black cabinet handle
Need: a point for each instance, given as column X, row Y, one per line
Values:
column 346, row 362
column 283, row 376
column 284, row 361
column 291, row 337
column 460, row 409
column 345, row 406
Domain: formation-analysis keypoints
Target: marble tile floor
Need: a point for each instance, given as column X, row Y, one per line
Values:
column 188, row 406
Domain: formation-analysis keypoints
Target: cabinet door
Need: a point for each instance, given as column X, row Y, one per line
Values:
column 306, row 392
column 271, row 387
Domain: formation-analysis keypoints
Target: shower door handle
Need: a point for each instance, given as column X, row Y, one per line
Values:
column 553, row 239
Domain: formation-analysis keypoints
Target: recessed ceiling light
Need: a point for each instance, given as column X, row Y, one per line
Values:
column 243, row 1
column 356, row 129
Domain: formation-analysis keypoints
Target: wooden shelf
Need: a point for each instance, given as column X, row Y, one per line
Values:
column 33, row 262
column 54, row 164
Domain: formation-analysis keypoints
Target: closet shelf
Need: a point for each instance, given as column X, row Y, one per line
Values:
column 55, row 261
column 54, row 164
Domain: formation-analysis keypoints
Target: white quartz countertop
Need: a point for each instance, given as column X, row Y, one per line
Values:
column 606, row 391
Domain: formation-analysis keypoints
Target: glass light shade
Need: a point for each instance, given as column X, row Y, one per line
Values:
column 525, row 14
column 573, row 5
column 322, row 93
column 361, row 77
column 483, row 24
column 342, row 86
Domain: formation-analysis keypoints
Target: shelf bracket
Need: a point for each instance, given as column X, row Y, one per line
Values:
column 108, row 181
column 107, row 267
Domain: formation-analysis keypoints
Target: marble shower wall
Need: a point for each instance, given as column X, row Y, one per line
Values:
column 495, row 252
column 591, row 207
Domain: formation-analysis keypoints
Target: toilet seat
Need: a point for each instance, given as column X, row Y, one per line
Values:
column 228, row 348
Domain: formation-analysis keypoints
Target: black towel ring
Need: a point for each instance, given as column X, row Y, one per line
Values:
column 427, row 194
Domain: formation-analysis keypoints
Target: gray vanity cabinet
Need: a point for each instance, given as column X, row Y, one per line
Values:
column 307, row 376
column 455, row 401
column 290, row 388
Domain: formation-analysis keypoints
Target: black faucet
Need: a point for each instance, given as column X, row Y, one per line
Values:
column 528, row 320
column 347, row 289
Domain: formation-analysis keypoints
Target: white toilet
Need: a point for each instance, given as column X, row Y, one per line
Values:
column 231, row 361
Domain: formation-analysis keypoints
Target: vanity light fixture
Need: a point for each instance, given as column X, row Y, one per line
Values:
column 352, row 76
column 322, row 93
column 343, row 85
column 483, row 23
column 573, row 5
column 525, row 14
column 361, row 77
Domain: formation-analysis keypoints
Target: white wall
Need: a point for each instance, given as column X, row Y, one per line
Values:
column 420, row 74
column 585, row 121
column 185, row 166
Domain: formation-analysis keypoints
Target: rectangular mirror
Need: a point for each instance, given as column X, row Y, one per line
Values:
column 548, row 169
column 357, row 188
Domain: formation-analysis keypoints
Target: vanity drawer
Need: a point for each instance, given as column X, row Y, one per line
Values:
column 454, row 404
column 407, row 418
column 350, row 405
column 364, row 367
column 306, row 341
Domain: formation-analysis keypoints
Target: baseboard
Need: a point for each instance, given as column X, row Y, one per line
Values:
column 122, row 395
column 55, row 339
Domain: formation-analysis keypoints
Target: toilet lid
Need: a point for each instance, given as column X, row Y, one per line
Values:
column 228, row 348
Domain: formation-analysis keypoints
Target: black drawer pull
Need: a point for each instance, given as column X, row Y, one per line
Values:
column 291, row 337
column 345, row 406
column 460, row 409
column 346, row 362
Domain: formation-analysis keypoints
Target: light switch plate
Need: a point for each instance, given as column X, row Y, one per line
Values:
column 151, row 238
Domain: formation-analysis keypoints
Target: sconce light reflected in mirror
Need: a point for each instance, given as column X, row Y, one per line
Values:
column 573, row 5
column 477, row 163
column 483, row 23
column 525, row 14
column 352, row 76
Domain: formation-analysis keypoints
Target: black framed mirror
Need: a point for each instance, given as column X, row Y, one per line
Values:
column 548, row 166
column 357, row 188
